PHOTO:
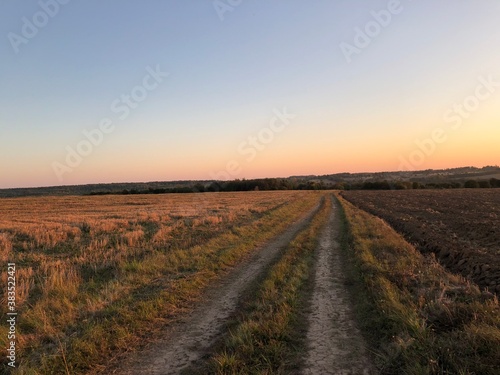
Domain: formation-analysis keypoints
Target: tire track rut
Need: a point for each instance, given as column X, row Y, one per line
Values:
column 334, row 343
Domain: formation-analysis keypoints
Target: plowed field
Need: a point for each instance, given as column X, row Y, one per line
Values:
column 461, row 227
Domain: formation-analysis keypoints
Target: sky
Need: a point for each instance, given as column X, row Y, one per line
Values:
column 126, row 91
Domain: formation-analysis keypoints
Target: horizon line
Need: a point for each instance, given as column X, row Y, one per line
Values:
column 256, row 178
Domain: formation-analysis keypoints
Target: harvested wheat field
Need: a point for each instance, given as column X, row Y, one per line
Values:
column 97, row 276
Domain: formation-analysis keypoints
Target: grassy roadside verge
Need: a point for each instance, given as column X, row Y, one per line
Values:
column 265, row 339
column 421, row 318
column 160, row 287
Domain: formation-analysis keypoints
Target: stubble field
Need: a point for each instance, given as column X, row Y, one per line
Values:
column 97, row 275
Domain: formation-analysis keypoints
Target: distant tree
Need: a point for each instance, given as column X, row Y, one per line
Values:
column 408, row 185
column 376, row 185
column 471, row 184
column 368, row 185
column 338, row 186
column 198, row 188
column 444, row 185
column 400, row 186
column 214, row 186
column 417, row 185
column 484, row 184
column 495, row 183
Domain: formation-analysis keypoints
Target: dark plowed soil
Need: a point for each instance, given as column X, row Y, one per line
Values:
column 461, row 227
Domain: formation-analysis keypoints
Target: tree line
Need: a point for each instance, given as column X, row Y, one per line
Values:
column 267, row 184
column 408, row 185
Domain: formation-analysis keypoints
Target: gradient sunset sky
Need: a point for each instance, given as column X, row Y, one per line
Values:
column 231, row 68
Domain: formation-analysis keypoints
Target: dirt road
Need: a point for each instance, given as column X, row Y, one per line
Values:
column 189, row 340
column 335, row 345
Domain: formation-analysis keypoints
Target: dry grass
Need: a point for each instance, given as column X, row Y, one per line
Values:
column 98, row 275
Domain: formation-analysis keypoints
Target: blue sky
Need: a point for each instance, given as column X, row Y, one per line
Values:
column 226, row 77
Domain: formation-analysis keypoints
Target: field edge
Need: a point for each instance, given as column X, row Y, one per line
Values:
column 420, row 318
